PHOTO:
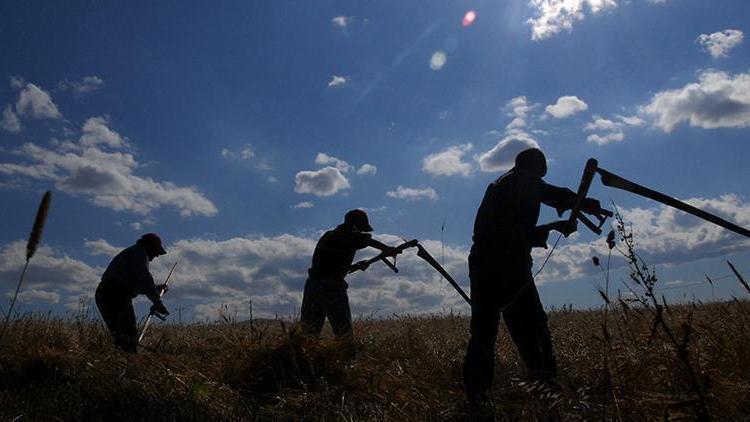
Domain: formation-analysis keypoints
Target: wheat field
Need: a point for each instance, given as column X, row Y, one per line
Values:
column 407, row 368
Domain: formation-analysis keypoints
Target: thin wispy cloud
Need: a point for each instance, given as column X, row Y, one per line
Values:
column 337, row 81
column 413, row 194
column 86, row 85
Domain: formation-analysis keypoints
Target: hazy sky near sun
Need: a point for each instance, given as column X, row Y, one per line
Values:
column 239, row 131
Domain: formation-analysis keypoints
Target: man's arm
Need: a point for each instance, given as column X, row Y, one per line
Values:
column 564, row 199
column 379, row 245
column 541, row 233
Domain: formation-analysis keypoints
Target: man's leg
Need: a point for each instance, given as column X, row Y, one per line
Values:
column 548, row 364
column 107, row 309
column 479, row 363
column 311, row 314
column 527, row 325
column 127, row 329
column 335, row 305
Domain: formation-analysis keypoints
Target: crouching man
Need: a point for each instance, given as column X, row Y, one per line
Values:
column 325, row 289
column 126, row 277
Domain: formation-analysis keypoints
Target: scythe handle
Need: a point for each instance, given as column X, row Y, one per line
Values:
column 422, row 253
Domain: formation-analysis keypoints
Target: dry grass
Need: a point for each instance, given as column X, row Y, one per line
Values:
column 408, row 368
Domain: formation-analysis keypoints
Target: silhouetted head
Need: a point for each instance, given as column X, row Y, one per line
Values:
column 152, row 243
column 358, row 219
column 532, row 161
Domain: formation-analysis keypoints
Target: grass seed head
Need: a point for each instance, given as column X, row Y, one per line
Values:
column 36, row 231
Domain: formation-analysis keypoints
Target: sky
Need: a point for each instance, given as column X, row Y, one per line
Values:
column 241, row 131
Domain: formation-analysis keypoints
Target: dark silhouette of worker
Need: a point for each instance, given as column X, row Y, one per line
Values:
column 505, row 231
column 126, row 277
column 325, row 289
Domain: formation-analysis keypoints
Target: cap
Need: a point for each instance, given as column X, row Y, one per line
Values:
column 153, row 240
column 358, row 218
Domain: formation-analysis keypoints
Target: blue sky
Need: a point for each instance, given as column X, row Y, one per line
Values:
column 241, row 130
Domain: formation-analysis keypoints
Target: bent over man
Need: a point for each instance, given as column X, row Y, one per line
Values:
column 325, row 289
column 126, row 277
column 505, row 231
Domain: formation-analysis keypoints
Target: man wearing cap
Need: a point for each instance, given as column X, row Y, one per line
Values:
column 505, row 231
column 325, row 289
column 126, row 277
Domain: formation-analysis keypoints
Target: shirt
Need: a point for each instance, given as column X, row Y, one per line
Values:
column 129, row 269
column 506, row 219
column 335, row 252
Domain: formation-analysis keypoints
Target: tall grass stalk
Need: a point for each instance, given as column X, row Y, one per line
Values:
column 31, row 246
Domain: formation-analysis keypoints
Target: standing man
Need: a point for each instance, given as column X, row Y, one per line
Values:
column 126, row 277
column 500, row 264
column 325, row 289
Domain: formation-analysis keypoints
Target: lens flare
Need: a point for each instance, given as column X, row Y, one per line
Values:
column 469, row 18
column 437, row 61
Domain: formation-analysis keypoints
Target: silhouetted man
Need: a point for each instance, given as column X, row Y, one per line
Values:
column 126, row 277
column 325, row 289
column 500, row 263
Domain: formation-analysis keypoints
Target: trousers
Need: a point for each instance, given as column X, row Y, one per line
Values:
column 505, row 290
column 326, row 298
column 116, row 307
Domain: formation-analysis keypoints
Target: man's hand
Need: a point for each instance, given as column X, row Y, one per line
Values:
column 590, row 206
column 159, row 309
column 391, row 251
column 361, row 265
column 563, row 227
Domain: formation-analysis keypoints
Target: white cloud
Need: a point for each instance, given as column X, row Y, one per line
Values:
column 631, row 120
column 35, row 102
column 448, row 162
column 516, row 123
column 600, row 123
column 10, row 120
column 613, row 128
column 342, row 21
column 413, row 194
column 96, row 131
column 566, row 106
column 717, row 100
column 135, row 226
column 304, row 204
column 271, row 271
column 337, row 81
column 100, row 247
column 663, row 235
column 29, row 296
column 86, row 85
column 327, row 160
column 324, row 182
column 105, row 176
column 367, row 169
column 606, row 138
column 718, row 44
column 245, row 153
column 502, row 156
column 520, row 106
column 50, row 272
column 553, row 16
